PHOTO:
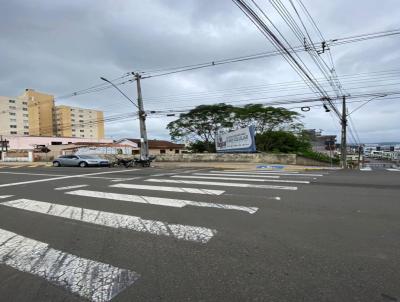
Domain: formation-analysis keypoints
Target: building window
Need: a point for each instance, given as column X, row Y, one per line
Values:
column 81, row 121
column 162, row 151
column 25, row 115
column 176, row 151
column 24, row 103
column 13, row 120
column 13, row 132
column 82, row 135
column 13, row 126
column 26, row 133
column 12, row 107
column 26, row 127
column 24, row 109
column 12, row 113
column 80, row 115
column 81, row 130
column 72, row 120
column 73, row 115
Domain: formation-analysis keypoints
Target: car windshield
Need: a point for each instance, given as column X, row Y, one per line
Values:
column 89, row 157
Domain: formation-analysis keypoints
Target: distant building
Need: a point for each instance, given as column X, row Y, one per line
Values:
column 156, row 147
column 322, row 143
column 79, row 122
column 40, row 112
column 35, row 114
column 14, row 117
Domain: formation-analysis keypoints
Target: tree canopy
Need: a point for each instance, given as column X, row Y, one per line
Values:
column 200, row 124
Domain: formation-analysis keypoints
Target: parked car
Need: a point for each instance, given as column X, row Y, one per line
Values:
column 80, row 161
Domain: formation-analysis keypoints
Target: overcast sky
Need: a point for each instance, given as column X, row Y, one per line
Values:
column 59, row 47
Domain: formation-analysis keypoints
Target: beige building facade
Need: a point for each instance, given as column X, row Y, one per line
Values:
column 41, row 108
column 34, row 113
column 79, row 122
column 14, row 116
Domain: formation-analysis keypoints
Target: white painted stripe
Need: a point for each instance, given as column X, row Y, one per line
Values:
column 393, row 170
column 118, row 221
column 243, row 179
column 33, row 174
column 125, row 179
column 62, row 177
column 16, row 167
column 96, row 281
column 238, row 175
column 273, row 173
column 5, row 196
column 255, row 171
column 224, row 184
column 366, row 169
column 169, row 189
column 168, row 202
column 70, row 187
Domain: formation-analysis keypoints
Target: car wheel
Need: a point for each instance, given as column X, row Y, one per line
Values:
column 83, row 164
column 56, row 164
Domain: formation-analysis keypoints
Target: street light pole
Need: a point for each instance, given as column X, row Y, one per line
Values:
column 343, row 144
column 144, row 146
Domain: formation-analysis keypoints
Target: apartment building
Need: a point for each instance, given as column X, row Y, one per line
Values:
column 40, row 110
column 79, row 122
column 14, row 116
column 35, row 114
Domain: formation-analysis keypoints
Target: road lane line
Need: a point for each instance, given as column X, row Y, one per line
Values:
column 169, row 189
column 62, row 177
column 117, row 221
column 242, row 179
column 33, row 174
column 126, row 179
column 271, row 173
column 5, row 196
column 366, row 169
column 168, row 202
column 393, row 170
column 224, row 184
column 96, row 281
column 238, row 175
column 70, row 187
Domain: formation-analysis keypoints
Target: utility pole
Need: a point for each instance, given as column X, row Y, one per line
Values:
column 144, row 145
column 343, row 144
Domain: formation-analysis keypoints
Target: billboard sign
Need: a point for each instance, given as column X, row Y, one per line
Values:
column 238, row 141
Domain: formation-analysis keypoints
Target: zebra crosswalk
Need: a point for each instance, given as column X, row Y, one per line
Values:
column 98, row 281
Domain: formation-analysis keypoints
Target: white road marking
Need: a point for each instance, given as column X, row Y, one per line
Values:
column 126, row 179
column 393, row 170
column 168, row 202
column 169, row 189
column 366, row 169
column 33, row 174
column 96, row 281
column 225, row 184
column 271, row 173
column 118, row 221
column 16, row 167
column 254, row 171
column 5, row 196
column 62, row 177
column 243, row 179
column 70, row 187
column 238, row 175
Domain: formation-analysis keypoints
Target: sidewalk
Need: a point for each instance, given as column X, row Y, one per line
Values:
column 25, row 164
column 238, row 166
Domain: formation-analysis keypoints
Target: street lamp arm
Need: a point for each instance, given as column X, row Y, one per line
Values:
column 116, row 87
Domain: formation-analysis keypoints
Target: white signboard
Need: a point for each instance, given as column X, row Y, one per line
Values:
column 241, row 140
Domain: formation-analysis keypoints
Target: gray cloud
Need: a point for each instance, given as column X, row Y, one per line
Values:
column 63, row 46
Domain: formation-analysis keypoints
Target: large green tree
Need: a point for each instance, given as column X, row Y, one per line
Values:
column 282, row 142
column 266, row 119
column 199, row 126
column 202, row 123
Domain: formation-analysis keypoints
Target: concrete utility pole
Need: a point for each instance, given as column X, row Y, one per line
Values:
column 343, row 144
column 144, row 145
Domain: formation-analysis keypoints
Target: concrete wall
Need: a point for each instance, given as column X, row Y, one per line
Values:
column 286, row 159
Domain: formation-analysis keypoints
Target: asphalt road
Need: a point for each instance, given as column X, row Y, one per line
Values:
column 73, row 234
